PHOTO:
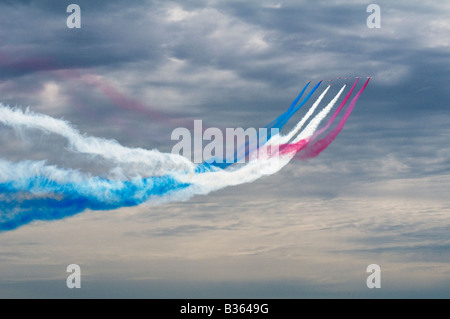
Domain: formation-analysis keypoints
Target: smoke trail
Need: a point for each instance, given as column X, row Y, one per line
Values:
column 265, row 163
column 35, row 191
column 336, row 113
column 32, row 191
column 47, row 64
column 303, row 139
column 318, row 147
column 312, row 126
column 279, row 140
column 291, row 107
column 131, row 104
column 244, row 150
column 120, row 99
column 286, row 118
column 286, row 138
column 307, row 137
column 155, row 162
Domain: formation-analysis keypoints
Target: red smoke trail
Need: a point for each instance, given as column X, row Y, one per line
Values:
column 120, row 99
column 313, row 150
column 333, row 117
column 293, row 148
column 128, row 103
column 48, row 65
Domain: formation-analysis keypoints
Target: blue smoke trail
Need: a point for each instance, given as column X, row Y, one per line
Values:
column 32, row 191
column 293, row 104
column 41, row 197
column 277, row 124
column 289, row 114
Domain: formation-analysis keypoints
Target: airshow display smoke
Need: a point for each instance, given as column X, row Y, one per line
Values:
column 34, row 190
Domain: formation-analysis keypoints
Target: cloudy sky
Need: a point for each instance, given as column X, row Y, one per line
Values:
column 134, row 72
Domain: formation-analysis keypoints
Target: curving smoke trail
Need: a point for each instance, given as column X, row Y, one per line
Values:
column 289, row 114
column 153, row 161
column 304, row 138
column 292, row 106
column 303, row 147
column 286, row 138
column 336, row 113
column 244, row 150
column 32, row 191
column 318, row 147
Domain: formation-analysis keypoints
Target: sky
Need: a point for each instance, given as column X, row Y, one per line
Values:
column 135, row 71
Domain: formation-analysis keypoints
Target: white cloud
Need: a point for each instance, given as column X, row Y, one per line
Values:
column 272, row 5
column 176, row 14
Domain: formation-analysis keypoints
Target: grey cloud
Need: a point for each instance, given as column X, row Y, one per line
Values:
column 182, row 230
column 380, row 190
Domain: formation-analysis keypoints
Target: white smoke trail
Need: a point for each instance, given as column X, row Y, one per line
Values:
column 286, row 138
column 201, row 183
column 55, row 193
column 263, row 164
column 154, row 162
column 312, row 126
column 279, row 139
column 39, row 179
